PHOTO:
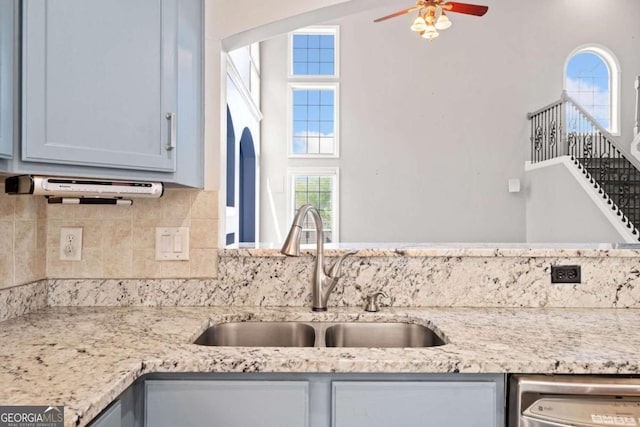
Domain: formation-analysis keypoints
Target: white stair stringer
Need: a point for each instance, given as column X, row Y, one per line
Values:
column 615, row 218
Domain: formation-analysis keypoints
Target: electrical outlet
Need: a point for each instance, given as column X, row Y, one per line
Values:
column 70, row 243
column 565, row 274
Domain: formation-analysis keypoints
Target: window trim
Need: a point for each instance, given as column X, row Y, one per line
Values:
column 325, row 29
column 335, row 86
column 613, row 65
column 292, row 172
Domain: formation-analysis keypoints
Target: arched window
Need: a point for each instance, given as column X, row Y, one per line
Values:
column 591, row 78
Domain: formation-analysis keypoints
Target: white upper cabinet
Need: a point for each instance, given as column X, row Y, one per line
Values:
column 7, row 77
column 100, row 83
column 112, row 89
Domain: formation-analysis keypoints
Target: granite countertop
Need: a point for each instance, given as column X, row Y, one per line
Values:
column 83, row 358
column 590, row 250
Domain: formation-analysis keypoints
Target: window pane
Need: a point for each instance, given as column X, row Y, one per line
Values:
column 313, row 54
column 300, row 68
column 299, row 41
column 326, row 55
column 313, row 41
column 300, row 55
column 326, row 97
column 326, row 113
column 327, row 41
column 313, row 146
column 300, row 145
column 313, row 68
column 299, row 97
column 299, row 112
column 588, row 83
column 313, row 112
column 317, row 191
column 313, row 121
column 327, row 69
column 313, row 97
column 326, row 145
column 326, row 128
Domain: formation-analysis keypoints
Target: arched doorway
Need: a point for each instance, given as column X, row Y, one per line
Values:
column 231, row 170
column 247, row 187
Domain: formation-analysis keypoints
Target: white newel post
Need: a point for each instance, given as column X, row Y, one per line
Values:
column 636, row 129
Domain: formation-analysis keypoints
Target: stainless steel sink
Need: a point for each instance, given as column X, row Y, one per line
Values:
column 319, row 334
column 381, row 335
column 259, row 334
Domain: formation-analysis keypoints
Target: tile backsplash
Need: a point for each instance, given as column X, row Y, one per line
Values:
column 23, row 236
column 118, row 241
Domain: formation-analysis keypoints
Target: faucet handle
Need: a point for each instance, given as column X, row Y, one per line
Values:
column 336, row 268
column 372, row 301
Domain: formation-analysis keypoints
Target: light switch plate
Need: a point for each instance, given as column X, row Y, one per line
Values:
column 172, row 243
column 70, row 243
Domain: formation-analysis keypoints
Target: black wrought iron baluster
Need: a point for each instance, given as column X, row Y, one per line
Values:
column 558, row 128
column 533, row 140
column 546, row 133
column 558, row 132
column 533, row 160
column 538, row 138
column 554, row 151
column 541, row 137
column 544, row 136
column 580, row 136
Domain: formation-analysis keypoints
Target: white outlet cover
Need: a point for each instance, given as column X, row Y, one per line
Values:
column 172, row 243
column 514, row 185
column 70, row 243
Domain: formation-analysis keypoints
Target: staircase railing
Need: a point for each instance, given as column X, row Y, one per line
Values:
column 565, row 128
column 636, row 128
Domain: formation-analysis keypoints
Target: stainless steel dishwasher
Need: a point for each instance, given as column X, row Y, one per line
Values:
column 573, row 400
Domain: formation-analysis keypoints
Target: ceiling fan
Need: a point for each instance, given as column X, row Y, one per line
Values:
column 431, row 15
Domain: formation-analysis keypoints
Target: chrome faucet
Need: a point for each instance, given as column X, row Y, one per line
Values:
column 322, row 281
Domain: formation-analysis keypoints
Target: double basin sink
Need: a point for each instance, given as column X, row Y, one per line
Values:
column 319, row 334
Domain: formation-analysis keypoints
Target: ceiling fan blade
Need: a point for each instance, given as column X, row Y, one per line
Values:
column 466, row 8
column 401, row 12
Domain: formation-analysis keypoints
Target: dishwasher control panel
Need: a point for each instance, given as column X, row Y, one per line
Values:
column 585, row 411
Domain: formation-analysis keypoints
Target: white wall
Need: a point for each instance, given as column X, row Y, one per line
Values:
column 235, row 16
column 432, row 131
column 559, row 208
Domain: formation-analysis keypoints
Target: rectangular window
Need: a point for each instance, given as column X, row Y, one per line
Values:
column 317, row 187
column 313, row 120
column 313, row 51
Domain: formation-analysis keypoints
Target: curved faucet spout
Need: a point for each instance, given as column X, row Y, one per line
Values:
column 322, row 283
column 291, row 246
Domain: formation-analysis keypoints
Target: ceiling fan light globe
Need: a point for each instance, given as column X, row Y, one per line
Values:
column 443, row 22
column 419, row 24
column 430, row 33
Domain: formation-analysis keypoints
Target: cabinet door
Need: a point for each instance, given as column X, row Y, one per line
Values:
column 407, row 404
column 227, row 403
column 99, row 81
column 7, row 80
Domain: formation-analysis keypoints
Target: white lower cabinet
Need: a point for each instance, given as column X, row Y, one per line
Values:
column 195, row 403
column 414, row 403
column 323, row 400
